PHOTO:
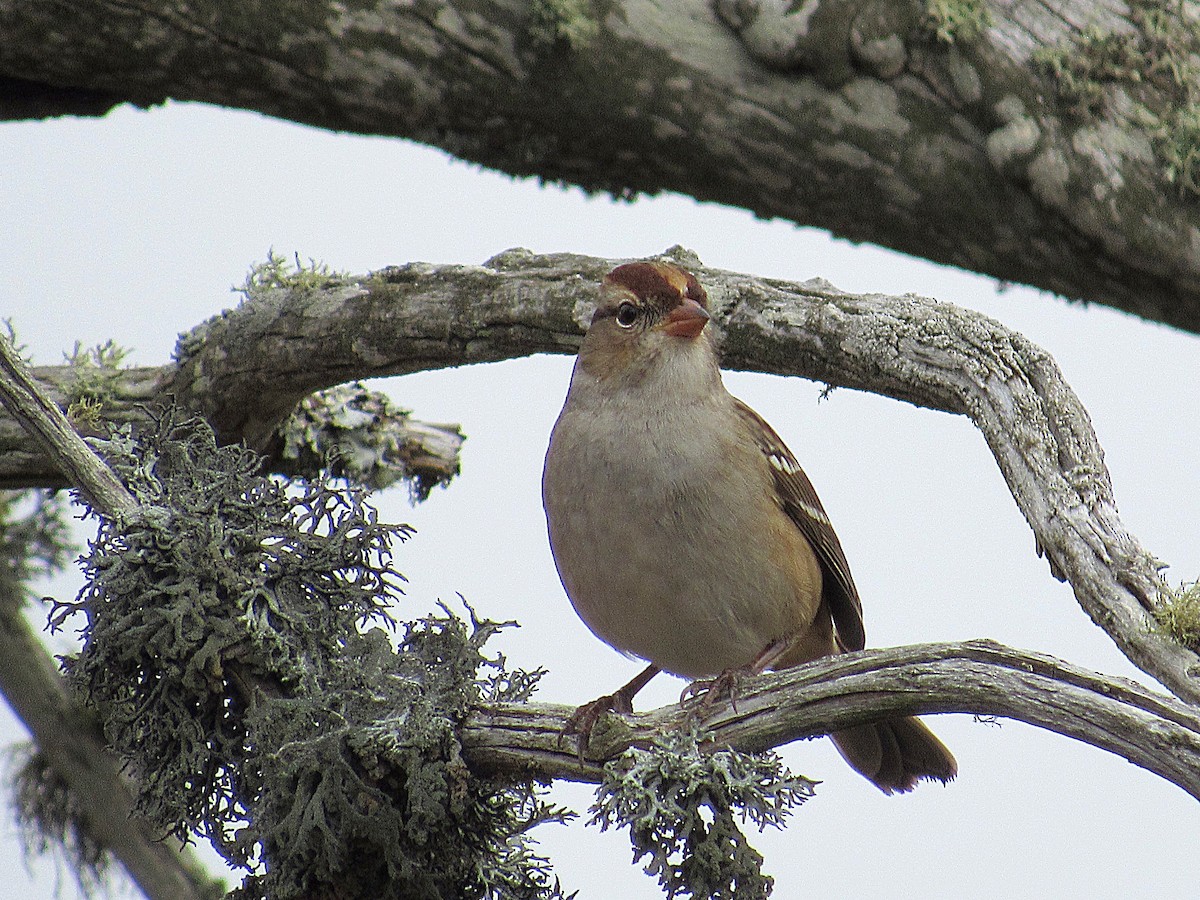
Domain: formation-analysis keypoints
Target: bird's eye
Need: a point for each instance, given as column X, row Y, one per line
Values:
column 627, row 314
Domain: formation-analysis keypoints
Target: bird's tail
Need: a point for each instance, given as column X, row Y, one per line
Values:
column 895, row 754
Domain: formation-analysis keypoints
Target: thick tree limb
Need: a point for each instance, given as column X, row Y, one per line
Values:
column 849, row 115
column 1156, row 732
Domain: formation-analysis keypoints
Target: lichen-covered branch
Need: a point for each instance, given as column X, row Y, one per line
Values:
column 377, row 442
column 45, row 423
column 246, row 368
column 1051, row 143
column 226, row 652
column 1156, row 732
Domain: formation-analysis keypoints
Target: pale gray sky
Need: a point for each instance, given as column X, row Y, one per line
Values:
column 135, row 226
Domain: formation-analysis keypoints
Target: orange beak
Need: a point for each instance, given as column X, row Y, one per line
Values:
column 686, row 320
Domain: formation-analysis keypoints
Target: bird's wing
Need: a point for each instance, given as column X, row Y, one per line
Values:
column 799, row 500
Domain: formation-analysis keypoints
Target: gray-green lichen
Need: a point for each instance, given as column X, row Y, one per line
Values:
column 400, row 815
column 957, row 21
column 277, row 272
column 1178, row 614
column 96, row 371
column 1178, row 143
column 1156, row 63
column 683, row 804
column 233, row 648
column 360, row 435
column 35, row 538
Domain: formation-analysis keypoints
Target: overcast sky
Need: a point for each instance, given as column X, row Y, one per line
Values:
column 134, row 227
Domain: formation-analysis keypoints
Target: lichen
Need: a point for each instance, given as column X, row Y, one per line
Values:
column 277, row 272
column 236, row 648
column 35, row 538
column 51, row 822
column 369, row 791
column 357, row 434
column 1157, row 63
column 957, row 21
column 682, row 802
column 1177, row 614
column 1081, row 69
column 1178, row 143
column 96, row 372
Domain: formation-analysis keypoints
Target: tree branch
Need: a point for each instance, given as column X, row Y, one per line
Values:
column 426, row 452
column 45, row 422
column 246, row 369
column 871, row 119
column 1158, row 733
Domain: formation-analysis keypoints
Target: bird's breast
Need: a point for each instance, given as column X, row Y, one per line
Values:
column 666, row 550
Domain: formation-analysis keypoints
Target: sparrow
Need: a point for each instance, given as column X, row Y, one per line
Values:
column 683, row 529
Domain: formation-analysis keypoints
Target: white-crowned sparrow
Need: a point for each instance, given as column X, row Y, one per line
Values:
column 685, row 532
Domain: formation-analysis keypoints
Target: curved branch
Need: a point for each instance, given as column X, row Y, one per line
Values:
column 419, row 317
column 246, row 369
column 1158, row 733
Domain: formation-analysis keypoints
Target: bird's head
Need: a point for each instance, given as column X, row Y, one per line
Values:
column 648, row 311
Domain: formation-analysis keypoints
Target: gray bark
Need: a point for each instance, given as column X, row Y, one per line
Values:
column 848, row 115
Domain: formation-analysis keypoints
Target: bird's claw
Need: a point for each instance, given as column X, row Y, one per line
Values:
column 584, row 719
column 706, row 693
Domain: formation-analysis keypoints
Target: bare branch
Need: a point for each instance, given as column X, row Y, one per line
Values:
column 1154, row 731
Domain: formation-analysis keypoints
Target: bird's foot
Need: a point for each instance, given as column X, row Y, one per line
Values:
column 708, row 692
column 705, row 693
column 583, row 721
